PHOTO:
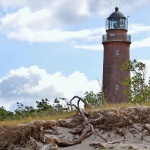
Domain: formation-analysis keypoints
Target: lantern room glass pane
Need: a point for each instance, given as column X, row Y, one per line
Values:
column 118, row 23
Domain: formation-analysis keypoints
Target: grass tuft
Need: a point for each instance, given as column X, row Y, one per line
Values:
column 65, row 114
column 10, row 123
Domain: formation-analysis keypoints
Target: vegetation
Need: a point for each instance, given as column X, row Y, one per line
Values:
column 95, row 100
column 139, row 89
column 43, row 109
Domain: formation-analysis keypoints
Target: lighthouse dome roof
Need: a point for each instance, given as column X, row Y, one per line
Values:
column 116, row 14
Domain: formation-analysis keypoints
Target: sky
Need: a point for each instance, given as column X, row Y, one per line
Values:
column 53, row 48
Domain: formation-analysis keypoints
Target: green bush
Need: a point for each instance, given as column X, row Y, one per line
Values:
column 94, row 99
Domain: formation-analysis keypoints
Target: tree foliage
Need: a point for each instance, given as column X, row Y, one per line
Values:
column 94, row 99
column 43, row 105
column 139, row 89
column 4, row 114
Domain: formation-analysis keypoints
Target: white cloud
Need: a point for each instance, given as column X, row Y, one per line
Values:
column 54, row 35
column 142, row 43
column 15, row 3
column 42, row 21
column 38, row 27
column 59, row 11
column 31, row 84
column 137, row 28
column 27, row 18
column 105, row 7
column 92, row 3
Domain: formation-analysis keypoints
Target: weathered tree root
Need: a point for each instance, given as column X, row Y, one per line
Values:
column 86, row 132
column 85, row 118
column 86, row 105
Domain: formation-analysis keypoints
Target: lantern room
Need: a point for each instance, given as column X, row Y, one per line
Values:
column 117, row 21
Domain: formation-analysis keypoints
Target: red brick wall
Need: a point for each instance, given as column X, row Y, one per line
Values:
column 112, row 73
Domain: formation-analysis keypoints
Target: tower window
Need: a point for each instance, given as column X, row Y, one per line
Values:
column 117, row 87
column 112, row 34
column 116, row 52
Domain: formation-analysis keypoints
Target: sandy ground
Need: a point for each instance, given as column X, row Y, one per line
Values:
column 128, row 127
column 132, row 139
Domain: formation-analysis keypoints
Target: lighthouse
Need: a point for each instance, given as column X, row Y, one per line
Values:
column 116, row 43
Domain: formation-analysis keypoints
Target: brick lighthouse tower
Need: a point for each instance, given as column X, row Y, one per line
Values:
column 116, row 44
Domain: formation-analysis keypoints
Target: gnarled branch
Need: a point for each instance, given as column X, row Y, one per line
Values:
column 86, row 132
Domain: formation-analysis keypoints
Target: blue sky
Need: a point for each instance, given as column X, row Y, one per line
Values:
column 52, row 48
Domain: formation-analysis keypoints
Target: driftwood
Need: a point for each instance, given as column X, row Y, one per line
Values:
column 88, row 129
column 86, row 105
